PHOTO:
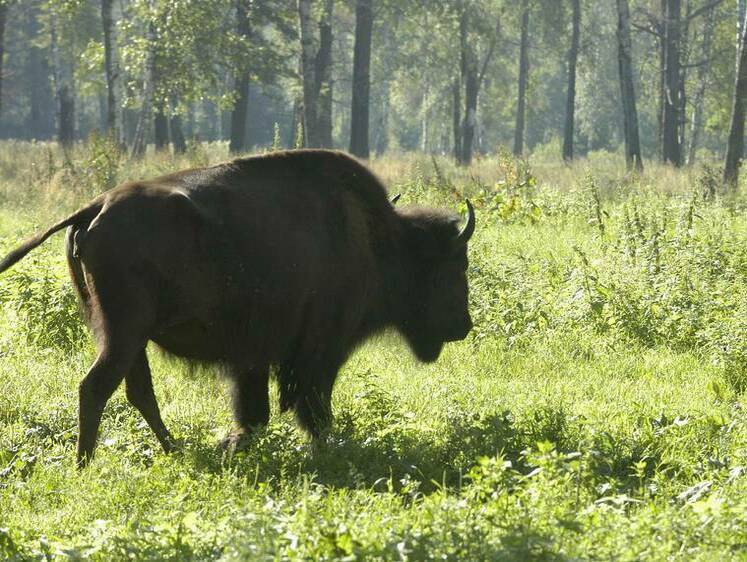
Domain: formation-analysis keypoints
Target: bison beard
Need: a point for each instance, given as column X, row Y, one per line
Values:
column 281, row 263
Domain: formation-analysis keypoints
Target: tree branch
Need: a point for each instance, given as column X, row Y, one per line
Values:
column 703, row 9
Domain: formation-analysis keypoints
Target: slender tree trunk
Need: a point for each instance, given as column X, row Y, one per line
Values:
column 241, row 81
column 523, row 76
column 63, row 74
column 571, row 99
column 38, row 124
column 359, row 118
column 469, row 79
column 457, row 118
column 470, row 117
column 191, row 124
column 627, row 91
column 662, row 79
column 239, row 114
column 160, row 128
column 323, row 77
column 696, row 123
column 177, row 134
column 741, row 15
column 424, row 117
column 305, row 26
column 110, row 70
column 3, row 16
column 672, row 150
column 682, row 81
column 139, row 143
column 735, row 145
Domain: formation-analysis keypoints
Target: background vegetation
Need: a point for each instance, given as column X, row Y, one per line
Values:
column 446, row 77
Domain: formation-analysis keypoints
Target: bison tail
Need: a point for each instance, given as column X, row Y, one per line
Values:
column 76, row 270
column 82, row 217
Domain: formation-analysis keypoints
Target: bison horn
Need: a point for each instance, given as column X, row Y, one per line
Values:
column 469, row 228
column 395, row 198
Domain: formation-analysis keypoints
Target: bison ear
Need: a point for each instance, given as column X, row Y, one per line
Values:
column 394, row 199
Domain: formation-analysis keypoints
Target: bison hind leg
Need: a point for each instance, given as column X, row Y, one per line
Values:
column 139, row 390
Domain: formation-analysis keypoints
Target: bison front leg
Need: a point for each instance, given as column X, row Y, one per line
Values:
column 251, row 405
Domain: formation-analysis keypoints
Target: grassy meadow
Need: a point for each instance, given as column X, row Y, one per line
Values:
column 596, row 412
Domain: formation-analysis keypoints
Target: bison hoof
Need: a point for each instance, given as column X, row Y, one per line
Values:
column 171, row 445
column 236, row 441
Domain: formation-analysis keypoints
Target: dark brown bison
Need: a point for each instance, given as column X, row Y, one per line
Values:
column 284, row 262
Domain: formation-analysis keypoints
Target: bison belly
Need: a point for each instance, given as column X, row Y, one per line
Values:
column 192, row 340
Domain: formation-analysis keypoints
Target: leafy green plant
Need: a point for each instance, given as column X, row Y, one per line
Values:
column 45, row 307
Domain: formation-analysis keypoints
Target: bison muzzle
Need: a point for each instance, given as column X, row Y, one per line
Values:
column 279, row 264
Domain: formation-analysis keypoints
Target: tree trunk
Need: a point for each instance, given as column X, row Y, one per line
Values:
column 3, row 16
column 241, row 81
column 735, row 146
column 160, row 128
column 696, row 123
column 627, row 91
column 662, row 80
column 323, row 77
column 63, row 80
column 305, row 24
column 571, row 99
column 424, row 117
column 66, row 134
column 741, row 15
column 523, row 75
column 139, row 143
column 177, row 134
column 40, row 120
column 110, row 69
column 672, row 149
column 457, row 118
column 359, row 115
column 469, row 79
column 470, row 116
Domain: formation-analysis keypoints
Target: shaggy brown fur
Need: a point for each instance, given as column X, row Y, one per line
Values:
column 287, row 260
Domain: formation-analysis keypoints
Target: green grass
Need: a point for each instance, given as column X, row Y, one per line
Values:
column 594, row 413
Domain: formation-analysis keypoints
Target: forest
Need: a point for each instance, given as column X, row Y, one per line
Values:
column 655, row 79
column 596, row 408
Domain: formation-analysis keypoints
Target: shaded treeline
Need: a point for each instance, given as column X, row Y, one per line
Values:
column 657, row 77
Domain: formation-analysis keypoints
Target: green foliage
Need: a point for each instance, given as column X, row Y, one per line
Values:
column 105, row 156
column 277, row 142
column 44, row 307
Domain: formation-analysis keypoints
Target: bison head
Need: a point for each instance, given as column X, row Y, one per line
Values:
column 435, row 310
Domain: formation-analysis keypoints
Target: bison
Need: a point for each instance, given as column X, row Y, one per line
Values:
column 281, row 263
